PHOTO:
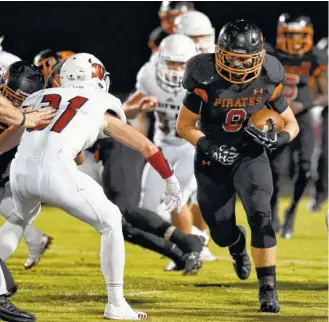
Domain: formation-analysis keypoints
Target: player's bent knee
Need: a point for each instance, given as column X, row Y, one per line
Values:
column 262, row 233
column 15, row 219
column 305, row 169
column 222, row 237
column 111, row 220
column 259, row 202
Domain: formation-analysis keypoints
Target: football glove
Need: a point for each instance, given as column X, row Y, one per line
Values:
column 172, row 194
column 223, row 154
column 267, row 138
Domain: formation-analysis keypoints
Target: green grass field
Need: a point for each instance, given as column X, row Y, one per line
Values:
column 68, row 285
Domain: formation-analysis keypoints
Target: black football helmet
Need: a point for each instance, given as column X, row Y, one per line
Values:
column 169, row 10
column 294, row 34
column 46, row 60
column 19, row 80
column 239, row 51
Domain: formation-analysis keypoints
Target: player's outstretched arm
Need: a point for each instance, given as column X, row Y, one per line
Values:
column 139, row 102
column 10, row 113
column 28, row 119
column 127, row 135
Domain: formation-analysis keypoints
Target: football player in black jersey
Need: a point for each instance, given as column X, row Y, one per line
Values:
column 224, row 90
column 320, row 194
column 301, row 61
column 169, row 10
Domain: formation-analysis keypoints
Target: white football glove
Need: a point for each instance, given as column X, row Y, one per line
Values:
column 172, row 195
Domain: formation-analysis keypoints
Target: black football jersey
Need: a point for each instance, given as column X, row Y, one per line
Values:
column 156, row 36
column 299, row 70
column 224, row 107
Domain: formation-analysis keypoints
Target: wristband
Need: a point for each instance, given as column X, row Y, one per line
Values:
column 283, row 138
column 24, row 118
column 161, row 165
column 203, row 144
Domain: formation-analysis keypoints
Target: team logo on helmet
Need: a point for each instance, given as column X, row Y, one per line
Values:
column 98, row 71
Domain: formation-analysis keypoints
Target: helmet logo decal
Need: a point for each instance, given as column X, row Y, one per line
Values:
column 98, row 71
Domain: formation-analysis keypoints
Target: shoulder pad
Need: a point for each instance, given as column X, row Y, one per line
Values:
column 273, row 69
column 200, row 71
column 319, row 56
column 116, row 107
column 33, row 99
column 144, row 75
column 269, row 48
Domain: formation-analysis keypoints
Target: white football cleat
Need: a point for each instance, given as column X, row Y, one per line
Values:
column 170, row 267
column 36, row 252
column 206, row 255
column 123, row 312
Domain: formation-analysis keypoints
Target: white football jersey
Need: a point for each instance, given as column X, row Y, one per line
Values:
column 169, row 102
column 77, row 125
column 7, row 59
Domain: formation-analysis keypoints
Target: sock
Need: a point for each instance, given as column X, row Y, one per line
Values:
column 7, row 283
column 31, row 235
column 112, row 255
column 266, row 275
column 239, row 244
column 10, row 235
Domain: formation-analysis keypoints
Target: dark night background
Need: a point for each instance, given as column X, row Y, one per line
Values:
column 117, row 32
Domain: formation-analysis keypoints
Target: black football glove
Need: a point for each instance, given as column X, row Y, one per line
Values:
column 223, row 154
column 268, row 138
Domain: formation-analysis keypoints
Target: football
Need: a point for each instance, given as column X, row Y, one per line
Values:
column 259, row 119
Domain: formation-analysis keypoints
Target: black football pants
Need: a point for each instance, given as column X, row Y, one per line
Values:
column 251, row 179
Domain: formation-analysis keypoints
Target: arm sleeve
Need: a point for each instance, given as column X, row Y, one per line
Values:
column 193, row 102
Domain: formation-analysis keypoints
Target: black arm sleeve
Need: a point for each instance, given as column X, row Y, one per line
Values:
column 193, row 102
column 279, row 104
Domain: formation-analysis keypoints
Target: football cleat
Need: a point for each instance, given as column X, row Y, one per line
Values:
column 241, row 262
column 288, row 225
column 268, row 298
column 37, row 251
column 192, row 263
column 123, row 312
column 9, row 312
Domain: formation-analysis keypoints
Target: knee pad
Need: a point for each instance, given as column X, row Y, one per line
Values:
column 262, row 233
column 259, row 202
column 304, row 169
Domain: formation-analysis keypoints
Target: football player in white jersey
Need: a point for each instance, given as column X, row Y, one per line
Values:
column 19, row 80
column 6, row 58
column 197, row 26
column 159, row 89
column 44, row 168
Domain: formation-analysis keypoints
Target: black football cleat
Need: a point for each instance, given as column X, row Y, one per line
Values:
column 268, row 297
column 241, row 262
column 317, row 202
column 10, row 313
column 192, row 263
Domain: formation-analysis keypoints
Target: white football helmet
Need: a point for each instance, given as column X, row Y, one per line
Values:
column 197, row 25
column 174, row 49
column 84, row 71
